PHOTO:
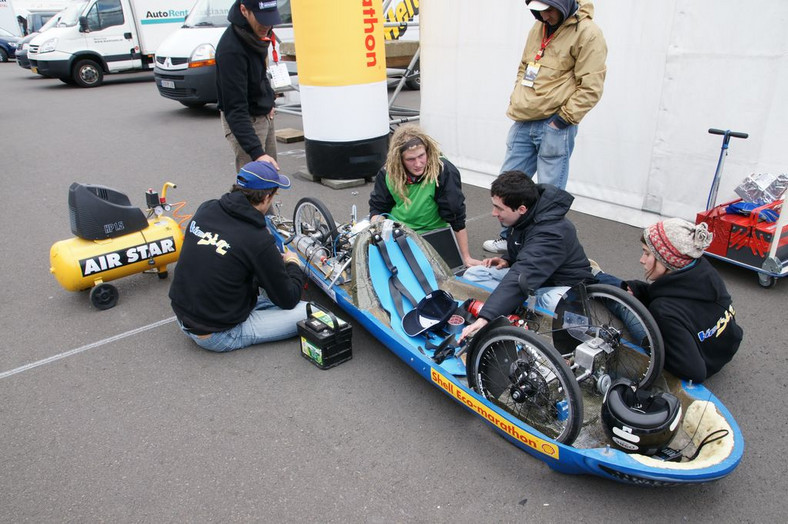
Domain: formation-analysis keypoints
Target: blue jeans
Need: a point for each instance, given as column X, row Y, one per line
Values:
column 537, row 148
column 489, row 277
column 266, row 323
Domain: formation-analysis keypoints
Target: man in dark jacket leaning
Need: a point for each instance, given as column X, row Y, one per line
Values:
column 228, row 255
column 542, row 246
column 246, row 98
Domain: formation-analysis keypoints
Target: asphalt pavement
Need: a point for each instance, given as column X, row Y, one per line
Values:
column 116, row 416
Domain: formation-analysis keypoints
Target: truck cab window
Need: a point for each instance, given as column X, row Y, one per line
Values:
column 105, row 13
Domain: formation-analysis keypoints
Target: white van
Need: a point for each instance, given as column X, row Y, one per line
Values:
column 185, row 68
column 112, row 36
column 67, row 17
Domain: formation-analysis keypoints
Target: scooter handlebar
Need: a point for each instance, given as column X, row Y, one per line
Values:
column 734, row 134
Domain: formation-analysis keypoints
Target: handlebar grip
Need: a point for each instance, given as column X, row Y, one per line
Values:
column 734, row 134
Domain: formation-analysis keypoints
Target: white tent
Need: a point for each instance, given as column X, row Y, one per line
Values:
column 675, row 69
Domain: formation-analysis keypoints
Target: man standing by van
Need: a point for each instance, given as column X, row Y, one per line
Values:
column 559, row 80
column 246, row 98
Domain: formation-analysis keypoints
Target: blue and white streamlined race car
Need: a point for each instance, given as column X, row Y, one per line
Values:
column 582, row 389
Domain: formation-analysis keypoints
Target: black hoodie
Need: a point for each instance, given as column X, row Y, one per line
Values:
column 227, row 253
column 696, row 317
column 242, row 84
column 543, row 246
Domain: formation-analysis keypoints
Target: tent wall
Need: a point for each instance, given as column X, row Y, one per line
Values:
column 675, row 69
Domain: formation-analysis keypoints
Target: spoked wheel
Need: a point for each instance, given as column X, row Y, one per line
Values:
column 311, row 218
column 104, row 296
column 630, row 338
column 521, row 373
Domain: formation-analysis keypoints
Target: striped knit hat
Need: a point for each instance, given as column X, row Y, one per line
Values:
column 676, row 242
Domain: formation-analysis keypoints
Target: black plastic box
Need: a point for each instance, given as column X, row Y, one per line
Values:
column 325, row 339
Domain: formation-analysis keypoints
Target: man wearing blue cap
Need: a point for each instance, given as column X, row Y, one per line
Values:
column 229, row 255
column 246, row 98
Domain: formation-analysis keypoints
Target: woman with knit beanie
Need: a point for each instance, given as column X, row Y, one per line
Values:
column 687, row 298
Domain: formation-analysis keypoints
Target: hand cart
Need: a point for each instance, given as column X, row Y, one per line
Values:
column 746, row 240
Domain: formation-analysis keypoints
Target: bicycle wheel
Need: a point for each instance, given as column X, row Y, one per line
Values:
column 311, row 218
column 632, row 343
column 520, row 373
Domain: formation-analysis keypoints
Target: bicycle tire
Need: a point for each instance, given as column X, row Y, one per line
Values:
column 522, row 374
column 638, row 350
column 312, row 218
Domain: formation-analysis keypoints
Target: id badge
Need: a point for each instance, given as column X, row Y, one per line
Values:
column 531, row 70
column 280, row 77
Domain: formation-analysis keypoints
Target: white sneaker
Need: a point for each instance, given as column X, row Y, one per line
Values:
column 595, row 269
column 495, row 246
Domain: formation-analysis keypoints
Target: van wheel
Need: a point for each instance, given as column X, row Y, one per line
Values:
column 88, row 73
column 3, row 55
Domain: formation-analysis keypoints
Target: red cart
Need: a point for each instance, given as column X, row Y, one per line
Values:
column 746, row 240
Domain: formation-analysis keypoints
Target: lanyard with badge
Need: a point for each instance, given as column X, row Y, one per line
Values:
column 280, row 76
column 532, row 69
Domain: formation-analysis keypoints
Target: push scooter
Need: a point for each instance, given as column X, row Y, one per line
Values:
column 746, row 240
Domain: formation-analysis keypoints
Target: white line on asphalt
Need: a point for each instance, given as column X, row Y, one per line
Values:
column 85, row 348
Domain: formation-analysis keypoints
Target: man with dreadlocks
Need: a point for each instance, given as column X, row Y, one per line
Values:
column 420, row 188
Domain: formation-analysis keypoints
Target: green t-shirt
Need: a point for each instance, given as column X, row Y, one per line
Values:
column 422, row 213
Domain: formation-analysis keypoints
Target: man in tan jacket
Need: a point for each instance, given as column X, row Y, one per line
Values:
column 559, row 80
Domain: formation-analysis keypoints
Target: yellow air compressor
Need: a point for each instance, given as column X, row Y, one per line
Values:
column 113, row 239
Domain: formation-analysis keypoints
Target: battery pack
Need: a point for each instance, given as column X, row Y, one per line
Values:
column 325, row 339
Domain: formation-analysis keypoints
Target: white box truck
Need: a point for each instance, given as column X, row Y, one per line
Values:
column 112, row 36
column 8, row 20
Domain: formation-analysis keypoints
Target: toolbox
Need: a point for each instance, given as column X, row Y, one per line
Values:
column 325, row 339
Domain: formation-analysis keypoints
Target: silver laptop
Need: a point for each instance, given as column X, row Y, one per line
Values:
column 445, row 243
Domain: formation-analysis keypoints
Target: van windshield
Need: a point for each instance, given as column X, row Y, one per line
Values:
column 67, row 17
column 50, row 23
column 209, row 13
column 213, row 13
